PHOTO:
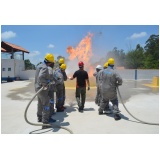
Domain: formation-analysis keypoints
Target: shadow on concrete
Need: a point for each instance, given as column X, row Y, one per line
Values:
column 122, row 117
column 71, row 107
column 89, row 109
column 60, row 116
column 40, row 131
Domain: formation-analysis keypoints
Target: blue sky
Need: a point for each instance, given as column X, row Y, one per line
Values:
column 41, row 39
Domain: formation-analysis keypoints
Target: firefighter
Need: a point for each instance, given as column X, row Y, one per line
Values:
column 42, row 79
column 97, row 99
column 61, row 61
column 59, row 81
column 107, row 107
column 110, row 80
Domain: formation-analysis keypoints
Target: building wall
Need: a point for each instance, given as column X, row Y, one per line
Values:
column 27, row 74
column 128, row 74
column 15, row 68
column 142, row 74
column 11, row 68
column 19, row 66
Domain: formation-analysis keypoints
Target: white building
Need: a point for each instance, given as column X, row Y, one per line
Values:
column 11, row 68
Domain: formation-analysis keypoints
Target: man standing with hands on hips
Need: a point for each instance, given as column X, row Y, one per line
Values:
column 82, row 78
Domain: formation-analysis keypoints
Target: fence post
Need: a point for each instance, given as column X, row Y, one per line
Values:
column 135, row 74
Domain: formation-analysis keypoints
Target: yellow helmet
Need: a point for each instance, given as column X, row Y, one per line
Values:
column 63, row 66
column 49, row 57
column 105, row 65
column 111, row 61
column 61, row 61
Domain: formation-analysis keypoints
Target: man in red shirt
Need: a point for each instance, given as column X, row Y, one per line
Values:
column 82, row 78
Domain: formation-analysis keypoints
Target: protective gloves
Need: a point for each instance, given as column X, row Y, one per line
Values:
column 45, row 86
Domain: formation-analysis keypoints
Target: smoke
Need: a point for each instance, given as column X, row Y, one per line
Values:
column 72, row 66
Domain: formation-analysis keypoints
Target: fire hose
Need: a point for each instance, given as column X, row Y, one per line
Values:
column 35, row 124
column 133, row 115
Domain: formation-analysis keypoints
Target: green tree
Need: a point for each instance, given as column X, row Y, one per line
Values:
column 118, row 55
column 135, row 58
column 29, row 65
column 152, row 52
column 38, row 64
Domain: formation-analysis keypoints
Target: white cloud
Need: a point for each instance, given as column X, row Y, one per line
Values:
column 50, row 46
column 8, row 35
column 137, row 35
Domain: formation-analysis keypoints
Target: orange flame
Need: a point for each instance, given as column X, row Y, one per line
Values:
column 83, row 52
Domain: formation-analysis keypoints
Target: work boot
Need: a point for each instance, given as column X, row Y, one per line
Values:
column 116, row 109
column 52, row 120
column 100, row 113
column 39, row 119
column 60, row 109
column 108, row 111
column 63, row 107
column 117, row 117
column 80, row 109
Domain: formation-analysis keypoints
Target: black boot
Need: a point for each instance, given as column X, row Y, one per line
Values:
column 80, row 109
column 39, row 119
column 117, row 117
column 100, row 113
column 60, row 109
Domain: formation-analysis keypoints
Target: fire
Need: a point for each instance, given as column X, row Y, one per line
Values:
column 83, row 52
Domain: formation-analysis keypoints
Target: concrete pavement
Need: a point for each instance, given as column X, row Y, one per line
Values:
column 141, row 101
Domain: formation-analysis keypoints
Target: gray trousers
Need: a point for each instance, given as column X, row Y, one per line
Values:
column 81, row 96
column 98, row 96
column 51, row 96
column 64, row 93
column 105, row 103
column 43, row 107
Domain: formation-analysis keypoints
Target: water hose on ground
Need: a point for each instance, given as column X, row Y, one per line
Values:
column 35, row 124
column 133, row 115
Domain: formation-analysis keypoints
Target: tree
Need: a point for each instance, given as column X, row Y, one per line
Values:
column 135, row 58
column 29, row 65
column 118, row 55
column 152, row 52
column 38, row 64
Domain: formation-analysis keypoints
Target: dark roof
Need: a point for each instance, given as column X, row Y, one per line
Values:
column 3, row 50
column 9, row 47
